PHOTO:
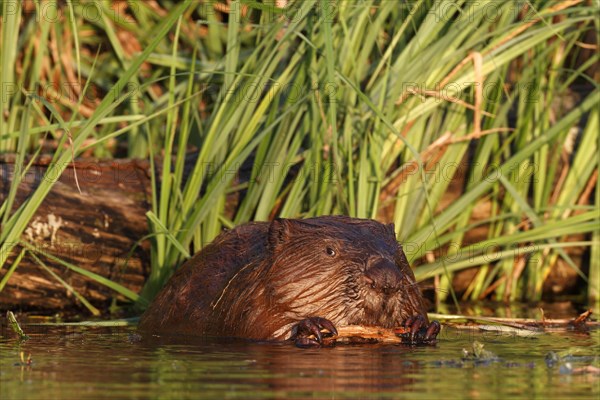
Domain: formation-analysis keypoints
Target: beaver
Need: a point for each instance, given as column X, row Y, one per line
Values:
column 293, row 279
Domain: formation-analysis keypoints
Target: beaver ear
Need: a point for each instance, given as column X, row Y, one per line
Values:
column 402, row 260
column 279, row 232
column 391, row 229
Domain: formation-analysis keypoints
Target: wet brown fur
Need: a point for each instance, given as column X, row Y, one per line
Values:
column 259, row 279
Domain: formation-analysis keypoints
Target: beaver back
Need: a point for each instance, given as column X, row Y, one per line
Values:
column 185, row 304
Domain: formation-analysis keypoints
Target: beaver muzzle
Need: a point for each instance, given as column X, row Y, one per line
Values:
column 383, row 276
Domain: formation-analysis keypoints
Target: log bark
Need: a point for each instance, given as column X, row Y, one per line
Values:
column 96, row 229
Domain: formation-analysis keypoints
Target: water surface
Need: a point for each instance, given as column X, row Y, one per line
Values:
column 86, row 363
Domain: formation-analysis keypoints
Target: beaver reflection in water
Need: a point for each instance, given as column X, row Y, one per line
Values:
column 293, row 279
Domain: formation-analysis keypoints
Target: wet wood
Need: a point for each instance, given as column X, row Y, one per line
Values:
column 365, row 334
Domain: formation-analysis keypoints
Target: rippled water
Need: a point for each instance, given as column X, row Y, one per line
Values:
column 83, row 363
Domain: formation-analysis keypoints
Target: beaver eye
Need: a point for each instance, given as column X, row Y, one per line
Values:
column 330, row 252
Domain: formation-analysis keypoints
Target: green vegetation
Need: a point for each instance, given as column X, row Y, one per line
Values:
column 363, row 108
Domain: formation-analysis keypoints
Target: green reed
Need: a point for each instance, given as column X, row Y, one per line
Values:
column 368, row 109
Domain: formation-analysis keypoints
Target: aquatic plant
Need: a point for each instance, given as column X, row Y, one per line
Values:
column 369, row 109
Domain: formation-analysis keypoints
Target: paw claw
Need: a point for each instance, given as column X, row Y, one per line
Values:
column 308, row 332
column 327, row 324
column 432, row 331
column 314, row 330
column 419, row 332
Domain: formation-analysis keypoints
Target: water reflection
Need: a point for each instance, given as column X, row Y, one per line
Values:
column 284, row 368
column 92, row 363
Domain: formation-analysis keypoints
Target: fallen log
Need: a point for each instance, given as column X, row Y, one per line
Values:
column 96, row 229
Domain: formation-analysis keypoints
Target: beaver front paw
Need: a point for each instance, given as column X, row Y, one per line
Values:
column 419, row 331
column 310, row 331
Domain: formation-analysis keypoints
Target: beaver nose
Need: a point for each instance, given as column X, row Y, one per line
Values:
column 383, row 275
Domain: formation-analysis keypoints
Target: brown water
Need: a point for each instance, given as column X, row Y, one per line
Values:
column 84, row 363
